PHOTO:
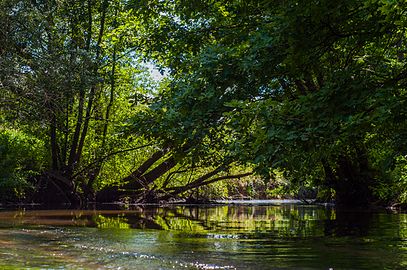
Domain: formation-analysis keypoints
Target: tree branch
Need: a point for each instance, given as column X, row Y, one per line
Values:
column 109, row 155
column 145, row 166
column 201, row 181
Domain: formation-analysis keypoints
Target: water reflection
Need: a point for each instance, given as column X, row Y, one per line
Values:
column 182, row 237
column 283, row 221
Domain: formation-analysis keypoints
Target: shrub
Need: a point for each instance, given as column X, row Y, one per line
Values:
column 22, row 157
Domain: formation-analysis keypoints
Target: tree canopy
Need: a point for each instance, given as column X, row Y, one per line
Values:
column 314, row 90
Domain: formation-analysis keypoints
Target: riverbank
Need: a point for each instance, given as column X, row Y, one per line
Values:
column 208, row 203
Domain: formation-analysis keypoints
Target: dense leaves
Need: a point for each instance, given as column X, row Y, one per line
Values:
column 21, row 157
column 311, row 90
column 315, row 88
column 68, row 81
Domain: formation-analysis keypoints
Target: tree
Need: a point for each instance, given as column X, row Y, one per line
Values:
column 67, row 79
column 311, row 88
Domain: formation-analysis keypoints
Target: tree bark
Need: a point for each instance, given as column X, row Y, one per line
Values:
column 93, row 88
column 353, row 178
column 54, row 144
column 143, row 167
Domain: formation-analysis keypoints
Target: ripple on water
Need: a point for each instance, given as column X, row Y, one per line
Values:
column 130, row 260
column 226, row 237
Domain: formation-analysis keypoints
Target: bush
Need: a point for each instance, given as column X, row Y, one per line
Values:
column 22, row 157
column 392, row 187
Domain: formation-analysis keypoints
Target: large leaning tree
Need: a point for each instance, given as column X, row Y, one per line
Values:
column 70, row 76
column 316, row 89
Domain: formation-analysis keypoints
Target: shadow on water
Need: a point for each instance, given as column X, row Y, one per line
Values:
column 287, row 236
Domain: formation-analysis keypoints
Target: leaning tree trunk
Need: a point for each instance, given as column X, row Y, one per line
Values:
column 136, row 185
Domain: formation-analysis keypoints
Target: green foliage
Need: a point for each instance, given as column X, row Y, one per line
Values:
column 297, row 86
column 314, row 89
column 22, row 157
column 68, row 77
column 392, row 187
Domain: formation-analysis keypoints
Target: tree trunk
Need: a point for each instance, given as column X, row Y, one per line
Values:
column 54, row 188
column 133, row 182
column 201, row 181
column 353, row 179
column 54, row 144
column 134, row 177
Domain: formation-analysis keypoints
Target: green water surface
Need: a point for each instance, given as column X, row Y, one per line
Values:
column 287, row 236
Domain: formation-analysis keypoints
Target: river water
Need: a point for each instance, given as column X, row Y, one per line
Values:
column 235, row 236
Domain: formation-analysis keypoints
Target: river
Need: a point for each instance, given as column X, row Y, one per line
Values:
column 234, row 236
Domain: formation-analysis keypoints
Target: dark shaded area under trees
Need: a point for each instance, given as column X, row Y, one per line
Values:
column 311, row 92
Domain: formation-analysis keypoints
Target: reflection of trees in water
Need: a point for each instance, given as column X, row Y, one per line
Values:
column 403, row 227
column 281, row 221
column 279, row 235
column 269, row 221
column 349, row 223
column 286, row 220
